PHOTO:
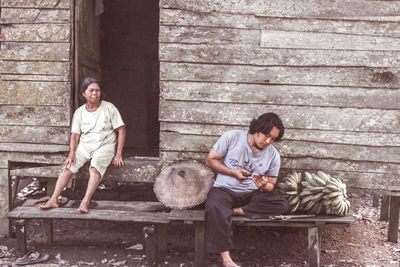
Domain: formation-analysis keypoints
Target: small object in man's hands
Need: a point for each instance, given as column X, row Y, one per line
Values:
column 247, row 174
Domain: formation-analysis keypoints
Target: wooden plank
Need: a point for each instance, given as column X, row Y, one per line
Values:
column 35, row 93
column 37, row 148
column 39, row 78
column 338, row 9
column 36, row 33
column 287, row 148
column 331, row 76
column 37, row 3
column 133, row 171
column 255, row 55
column 34, row 134
column 205, row 35
column 302, row 117
column 44, row 158
column 35, row 51
column 152, row 206
column 35, row 67
column 310, row 163
column 331, row 41
column 95, row 214
column 323, row 136
column 38, row 115
column 393, row 230
column 198, row 216
column 33, row 15
column 281, row 94
column 180, row 17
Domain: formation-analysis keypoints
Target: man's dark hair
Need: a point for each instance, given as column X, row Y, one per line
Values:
column 85, row 84
column 265, row 123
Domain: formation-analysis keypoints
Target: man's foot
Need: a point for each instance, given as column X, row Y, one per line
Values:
column 83, row 208
column 238, row 211
column 51, row 204
column 230, row 264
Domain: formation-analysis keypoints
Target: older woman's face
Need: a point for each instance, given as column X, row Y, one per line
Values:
column 92, row 93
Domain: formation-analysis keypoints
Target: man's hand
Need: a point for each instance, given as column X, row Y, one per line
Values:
column 117, row 161
column 239, row 174
column 264, row 182
column 70, row 160
column 260, row 181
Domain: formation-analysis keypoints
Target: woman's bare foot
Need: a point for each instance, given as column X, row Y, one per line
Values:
column 83, row 208
column 49, row 204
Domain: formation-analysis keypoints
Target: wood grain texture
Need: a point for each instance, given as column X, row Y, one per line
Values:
column 269, row 94
column 302, row 117
column 316, row 76
column 248, row 54
column 338, row 9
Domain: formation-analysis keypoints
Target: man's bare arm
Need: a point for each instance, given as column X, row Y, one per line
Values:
column 214, row 161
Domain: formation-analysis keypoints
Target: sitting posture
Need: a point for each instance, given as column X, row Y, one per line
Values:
column 93, row 137
column 247, row 166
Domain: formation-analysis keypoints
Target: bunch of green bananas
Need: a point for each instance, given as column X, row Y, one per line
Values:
column 335, row 198
column 291, row 188
column 316, row 193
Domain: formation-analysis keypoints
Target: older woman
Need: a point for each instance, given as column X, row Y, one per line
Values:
column 93, row 137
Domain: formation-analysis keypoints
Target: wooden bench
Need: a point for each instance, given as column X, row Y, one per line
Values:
column 156, row 217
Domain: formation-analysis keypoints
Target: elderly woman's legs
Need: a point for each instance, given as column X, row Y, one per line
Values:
column 61, row 183
column 94, row 181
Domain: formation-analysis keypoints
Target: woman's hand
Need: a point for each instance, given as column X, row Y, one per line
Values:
column 70, row 160
column 117, row 160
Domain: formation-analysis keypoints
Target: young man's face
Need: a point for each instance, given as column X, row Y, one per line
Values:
column 261, row 141
column 92, row 93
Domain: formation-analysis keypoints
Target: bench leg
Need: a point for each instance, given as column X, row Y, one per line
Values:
column 375, row 200
column 199, row 244
column 150, row 244
column 314, row 246
column 161, row 249
column 48, row 230
column 21, row 236
column 384, row 216
column 393, row 230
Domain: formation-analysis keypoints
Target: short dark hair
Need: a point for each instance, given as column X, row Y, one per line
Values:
column 85, row 84
column 265, row 123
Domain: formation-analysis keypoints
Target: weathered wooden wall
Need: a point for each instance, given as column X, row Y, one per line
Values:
column 331, row 70
column 35, row 85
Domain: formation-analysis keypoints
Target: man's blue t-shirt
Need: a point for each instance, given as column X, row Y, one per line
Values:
column 233, row 146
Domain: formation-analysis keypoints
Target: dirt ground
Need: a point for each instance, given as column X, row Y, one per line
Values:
column 82, row 243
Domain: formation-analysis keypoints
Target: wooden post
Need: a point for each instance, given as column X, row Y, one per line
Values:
column 150, row 244
column 314, row 246
column 48, row 230
column 199, row 244
column 393, row 230
column 161, row 249
column 21, row 236
column 375, row 200
column 384, row 216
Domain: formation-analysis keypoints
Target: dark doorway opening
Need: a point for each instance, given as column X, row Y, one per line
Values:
column 130, row 70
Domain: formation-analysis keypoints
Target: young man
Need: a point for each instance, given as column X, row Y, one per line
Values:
column 93, row 137
column 248, row 166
